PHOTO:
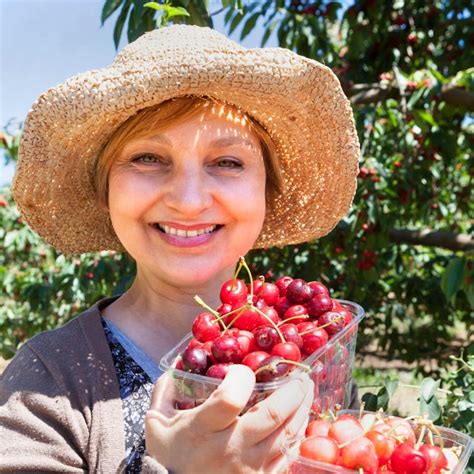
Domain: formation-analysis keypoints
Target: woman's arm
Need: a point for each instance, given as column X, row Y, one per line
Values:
column 39, row 430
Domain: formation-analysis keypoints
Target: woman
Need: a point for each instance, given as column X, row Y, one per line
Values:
column 187, row 152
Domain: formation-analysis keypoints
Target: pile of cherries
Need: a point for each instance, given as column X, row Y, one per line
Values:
column 270, row 327
column 374, row 444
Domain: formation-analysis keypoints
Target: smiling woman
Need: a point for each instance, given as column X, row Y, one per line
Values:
column 187, row 152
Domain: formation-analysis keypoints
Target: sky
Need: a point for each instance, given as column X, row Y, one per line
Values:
column 44, row 42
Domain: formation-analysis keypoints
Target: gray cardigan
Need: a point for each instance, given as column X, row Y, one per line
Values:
column 60, row 406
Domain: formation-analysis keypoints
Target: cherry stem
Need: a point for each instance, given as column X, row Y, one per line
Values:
column 303, row 316
column 420, row 438
column 236, row 274
column 270, row 320
column 219, row 318
column 244, row 264
column 240, row 311
column 331, row 322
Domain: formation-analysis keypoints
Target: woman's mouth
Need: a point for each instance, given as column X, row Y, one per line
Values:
column 187, row 236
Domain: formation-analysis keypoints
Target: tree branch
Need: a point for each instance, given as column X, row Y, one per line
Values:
column 432, row 238
column 361, row 94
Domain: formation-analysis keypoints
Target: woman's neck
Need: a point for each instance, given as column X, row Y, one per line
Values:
column 156, row 315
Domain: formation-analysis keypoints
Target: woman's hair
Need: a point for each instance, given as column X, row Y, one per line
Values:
column 147, row 121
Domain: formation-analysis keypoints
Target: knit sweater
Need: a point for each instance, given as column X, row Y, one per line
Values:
column 60, row 407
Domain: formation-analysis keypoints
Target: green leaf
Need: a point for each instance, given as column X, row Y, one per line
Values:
column 154, row 6
column 268, row 32
column 391, row 386
column 249, row 25
column 428, row 388
column 175, row 11
column 235, row 22
column 370, row 401
column 431, row 408
column 426, row 116
column 120, row 22
column 452, row 278
column 109, row 7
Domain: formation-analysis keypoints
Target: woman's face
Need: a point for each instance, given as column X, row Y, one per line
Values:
column 189, row 200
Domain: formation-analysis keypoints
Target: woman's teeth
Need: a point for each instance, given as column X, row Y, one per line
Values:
column 186, row 233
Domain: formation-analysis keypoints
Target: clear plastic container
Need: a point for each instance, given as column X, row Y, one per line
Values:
column 331, row 370
column 297, row 464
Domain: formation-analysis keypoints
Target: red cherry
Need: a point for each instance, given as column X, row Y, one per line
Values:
column 405, row 459
column 336, row 306
column 299, row 292
column 248, row 319
column 287, row 350
column 195, row 360
column 234, row 292
column 320, row 448
column 179, row 364
column 246, row 341
column 254, row 359
column 269, row 293
column 318, row 288
column 227, row 349
column 318, row 428
column 206, row 327
column 265, row 338
column 346, row 314
column 290, row 333
column 318, row 305
column 306, row 326
column 281, row 306
column 332, row 322
column 272, row 368
column 345, row 429
column 314, row 340
column 384, row 445
column 271, row 314
column 435, row 458
column 194, row 343
column 296, row 310
column 282, row 284
column 360, row 454
column 218, row 371
column 402, row 428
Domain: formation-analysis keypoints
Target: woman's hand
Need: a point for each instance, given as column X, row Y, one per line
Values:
column 213, row 438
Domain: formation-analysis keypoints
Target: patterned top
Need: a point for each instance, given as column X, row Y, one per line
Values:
column 135, row 391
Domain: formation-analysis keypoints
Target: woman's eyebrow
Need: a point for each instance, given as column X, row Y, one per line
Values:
column 217, row 143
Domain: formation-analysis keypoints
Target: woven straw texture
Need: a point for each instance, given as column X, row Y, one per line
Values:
column 297, row 100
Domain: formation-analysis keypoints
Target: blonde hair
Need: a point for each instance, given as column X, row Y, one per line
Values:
column 147, row 121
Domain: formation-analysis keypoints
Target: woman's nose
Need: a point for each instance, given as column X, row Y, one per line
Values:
column 188, row 192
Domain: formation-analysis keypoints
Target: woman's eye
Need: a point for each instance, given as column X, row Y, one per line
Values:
column 228, row 163
column 148, row 159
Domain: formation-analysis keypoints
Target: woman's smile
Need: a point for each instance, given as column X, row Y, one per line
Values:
column 179, row 235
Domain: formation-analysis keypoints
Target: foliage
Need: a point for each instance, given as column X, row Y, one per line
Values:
column 416, row 173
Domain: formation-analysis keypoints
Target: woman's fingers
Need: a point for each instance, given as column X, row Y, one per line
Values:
column 267, row 416
column 224, row 405
column 162, row 398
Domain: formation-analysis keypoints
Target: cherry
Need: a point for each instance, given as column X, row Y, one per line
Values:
column 294, row 311
column 318, row 288
column 179, row 364
column 281, row 306
column 267, row 292
column 227, row 349
column 299, row 292
column 223, row 309
column 248, row 319
column 345, row 429
column 234, row 292
column 271, row 314
column 320, row 448
column 318, row 428
column 360, row 454
column 195, row 360
column 282, row 284
column 266, row 337
column 314, row 340
column 206, row 327
column 254, row 359
column 290, row 334
column 218, row 371
column 271, row 368
column 306, row 326
column 384, row 445
column 346, row 314
column 407, row 460
column 245, row 338
column 318, row 305
column 401, row 427
column 287, row 350
column 194, row 343
column 435, row 458
column 332, row 322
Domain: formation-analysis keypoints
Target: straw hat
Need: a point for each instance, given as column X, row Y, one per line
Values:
column 297, row 100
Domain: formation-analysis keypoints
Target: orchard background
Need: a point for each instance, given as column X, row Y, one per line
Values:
column 405, row 252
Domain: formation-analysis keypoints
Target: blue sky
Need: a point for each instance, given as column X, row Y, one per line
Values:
column 43, row 42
